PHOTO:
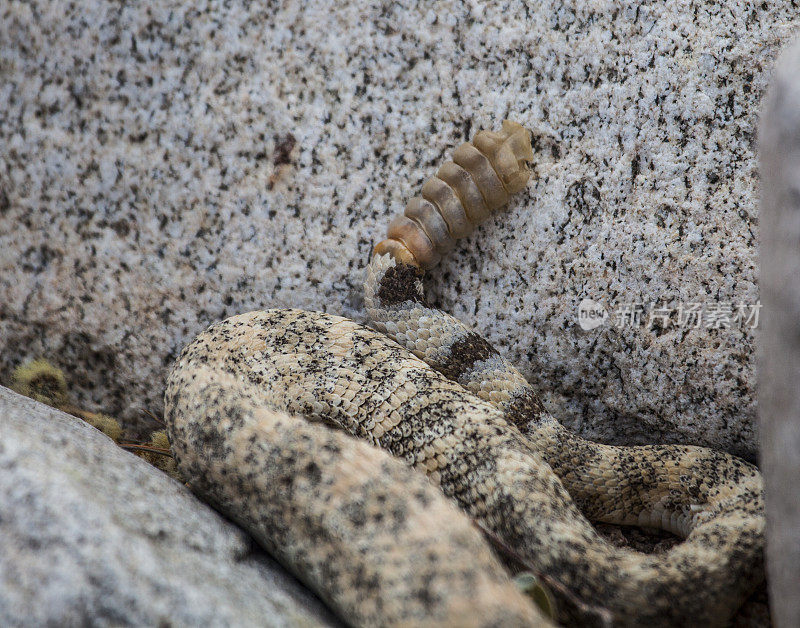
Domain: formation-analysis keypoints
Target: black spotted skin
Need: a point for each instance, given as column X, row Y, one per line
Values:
column 712, row 499
column 248, row 408
column 317, row 434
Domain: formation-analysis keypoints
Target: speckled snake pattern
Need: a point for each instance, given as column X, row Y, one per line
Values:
column 362, row 458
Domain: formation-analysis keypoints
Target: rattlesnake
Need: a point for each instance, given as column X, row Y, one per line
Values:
column 262, row 410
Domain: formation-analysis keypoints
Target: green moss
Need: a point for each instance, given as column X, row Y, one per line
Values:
column 164, row 461
column 160, row 439
column 40, row 380
column 106, row 424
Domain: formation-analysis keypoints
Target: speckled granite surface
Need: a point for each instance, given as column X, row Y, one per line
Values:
column 149, row 185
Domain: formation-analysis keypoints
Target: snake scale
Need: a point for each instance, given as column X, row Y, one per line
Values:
column 316, row 434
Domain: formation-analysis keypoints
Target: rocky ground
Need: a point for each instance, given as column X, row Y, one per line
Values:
column 166, row 166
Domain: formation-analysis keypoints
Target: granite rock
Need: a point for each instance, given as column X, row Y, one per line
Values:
column 779, row 395
column 166, row 165
column 90, row 534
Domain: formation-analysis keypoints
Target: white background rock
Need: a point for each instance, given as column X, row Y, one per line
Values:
column 779, row 396
column 92, row 534
column 138, row 143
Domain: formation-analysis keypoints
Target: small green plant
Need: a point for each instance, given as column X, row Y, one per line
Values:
column 158, row 453
column 40, row 380
column 43, row 382
column 106, row 424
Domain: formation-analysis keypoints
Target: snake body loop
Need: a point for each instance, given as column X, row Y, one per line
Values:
column 316, row 434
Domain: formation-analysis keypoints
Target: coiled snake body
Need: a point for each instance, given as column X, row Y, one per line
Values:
column 303, row 427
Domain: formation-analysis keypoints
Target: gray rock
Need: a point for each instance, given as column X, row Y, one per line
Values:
column 90, row 534
column 779, row 394
column 149, row 186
